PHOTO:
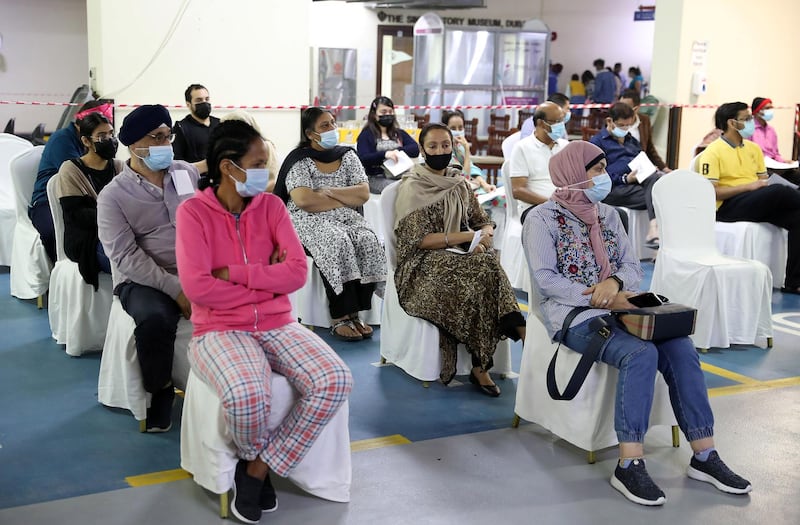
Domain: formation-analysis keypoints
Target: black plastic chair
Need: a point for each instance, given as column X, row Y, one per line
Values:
column 37, row 136
column 10, row 126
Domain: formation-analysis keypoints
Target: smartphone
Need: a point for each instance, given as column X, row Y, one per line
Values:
column 643, row 300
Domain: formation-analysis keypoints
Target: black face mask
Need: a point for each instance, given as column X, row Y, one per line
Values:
column 106, row 149
column 438, row 162
column 386, row 120
column 202, row 110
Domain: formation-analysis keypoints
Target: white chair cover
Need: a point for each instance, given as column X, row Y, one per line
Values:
column 512, row 256
column 208, row 453
column 78, row 315
column 733, row 296
column 310, row 304
column 30, row 265
column 10, row 146
column 758, row 241
column 119, row 383
column 372, row 214
column 409, row 342
column 638, row 224
column 587, row 421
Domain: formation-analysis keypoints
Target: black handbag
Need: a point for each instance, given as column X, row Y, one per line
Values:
column 655, row 318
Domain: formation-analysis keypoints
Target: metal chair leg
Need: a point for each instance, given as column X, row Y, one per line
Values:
column 515, row 421
column 143, row 425
column 40, row 302
column 592, row 457
column 769, row 342
column 676, row 436
column 223, row 505
column 703, row 350
column 383, row 360
column 425, row 384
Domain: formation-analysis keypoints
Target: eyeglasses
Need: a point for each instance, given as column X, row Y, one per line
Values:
column 160, row 138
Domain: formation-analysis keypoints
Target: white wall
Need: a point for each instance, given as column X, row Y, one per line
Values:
column 43, row 58
column 746, row 58
column 246, row 52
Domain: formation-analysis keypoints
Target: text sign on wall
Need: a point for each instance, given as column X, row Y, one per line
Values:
column 639, row 16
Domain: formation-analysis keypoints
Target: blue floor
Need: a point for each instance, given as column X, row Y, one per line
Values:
column 57, row 441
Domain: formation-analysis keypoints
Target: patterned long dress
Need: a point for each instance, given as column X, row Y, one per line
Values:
column 340, row 241
column 465, row 296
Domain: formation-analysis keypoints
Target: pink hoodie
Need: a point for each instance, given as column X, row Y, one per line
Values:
column 210, row 237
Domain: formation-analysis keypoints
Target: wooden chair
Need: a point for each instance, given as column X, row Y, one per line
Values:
column 496, row 137
column 499, row 122
column 471, row 134
column 587, row 133
column 422, row 120
column 523, row 115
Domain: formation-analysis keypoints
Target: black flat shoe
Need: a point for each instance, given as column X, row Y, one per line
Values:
column 795, row 291
column 489, row 390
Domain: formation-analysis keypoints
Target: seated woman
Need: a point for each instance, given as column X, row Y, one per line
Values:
column 579, row 256
column 79, row 182
column 467, row 296
column 323, row 184
column 380, row 139
column 239, row 259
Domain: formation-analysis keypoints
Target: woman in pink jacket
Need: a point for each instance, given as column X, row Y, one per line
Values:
column 238, row 259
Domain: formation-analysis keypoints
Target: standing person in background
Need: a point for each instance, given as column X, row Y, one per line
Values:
column 191, row 133
column 552, row 81
column 636, row 79
column 766, row 138
column 63, row 145
column 380, row 139
column 605, row 84
column 588, row 81
column 623, row 80
column 576, row 88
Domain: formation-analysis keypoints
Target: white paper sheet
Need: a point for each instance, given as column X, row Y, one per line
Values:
column 475, row 240
column 402, row 165
column 183, row 184
column 644, row 168
column 486, row 197
column 773, row 164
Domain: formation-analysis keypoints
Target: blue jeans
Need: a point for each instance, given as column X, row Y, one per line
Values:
column 637, row 361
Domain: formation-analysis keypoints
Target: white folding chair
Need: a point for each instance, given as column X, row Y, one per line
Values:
column 78, row 314
column 587, row 421
column 733, row 296
column 409, row 342
column 638, row 225
column 10, row 146
column 30, row 265
column 208, row 452
column 512, row 257
column 119, row 383
column 757, row 241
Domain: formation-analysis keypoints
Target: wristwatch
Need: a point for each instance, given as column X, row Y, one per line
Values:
column 619, row 282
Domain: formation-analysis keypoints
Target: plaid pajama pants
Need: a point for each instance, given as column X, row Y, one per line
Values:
column 238, row 366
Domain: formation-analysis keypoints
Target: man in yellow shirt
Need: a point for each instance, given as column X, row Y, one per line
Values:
column 736, row 168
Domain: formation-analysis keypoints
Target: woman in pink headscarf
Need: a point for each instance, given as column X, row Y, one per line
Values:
column 579, row 256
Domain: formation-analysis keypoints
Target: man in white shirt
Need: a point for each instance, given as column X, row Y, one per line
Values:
column 529, row 163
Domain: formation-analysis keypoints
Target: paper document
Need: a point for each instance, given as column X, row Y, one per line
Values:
column 644, row 168
column 402, row 165
column 773, row 164
column 475, row 240
column 183, row 184
column 486, row 197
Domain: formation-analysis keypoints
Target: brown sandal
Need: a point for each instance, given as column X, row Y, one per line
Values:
column 348, row 323
column 363, row 328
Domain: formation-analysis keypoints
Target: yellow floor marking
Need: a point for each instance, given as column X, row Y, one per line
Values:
column 754, row 387
column 154, row 478
column 379, row 442
column 727, row 374
column 523, row 307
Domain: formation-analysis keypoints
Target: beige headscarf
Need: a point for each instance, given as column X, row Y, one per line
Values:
column 421, row 187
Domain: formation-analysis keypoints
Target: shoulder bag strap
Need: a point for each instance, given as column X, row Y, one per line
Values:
column 587, row 358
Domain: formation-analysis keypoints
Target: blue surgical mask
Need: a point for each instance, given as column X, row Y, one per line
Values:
column 767, row 114
column 557, row 131
column 749, row 129
column 567, row 116
column 601, row 188
column 619, row 133
column 158, row 158
column 255, row 181
column 328, row 139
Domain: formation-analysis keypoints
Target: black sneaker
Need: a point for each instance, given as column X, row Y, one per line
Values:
column 636, row 484
column 715, row 471
column 246, row 492
column 159, row 415
column 268, row 500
